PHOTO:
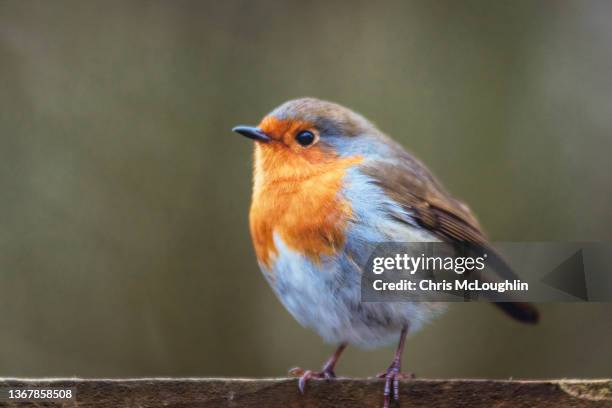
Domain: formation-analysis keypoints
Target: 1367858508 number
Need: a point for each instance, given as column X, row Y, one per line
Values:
column 38, row 393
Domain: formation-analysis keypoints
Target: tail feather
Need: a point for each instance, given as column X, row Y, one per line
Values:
column 523, row 312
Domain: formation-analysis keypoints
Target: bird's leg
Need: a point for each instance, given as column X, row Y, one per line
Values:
column 326, row 372
column 393, row 375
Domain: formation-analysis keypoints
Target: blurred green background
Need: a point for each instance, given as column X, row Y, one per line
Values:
column 124, row 245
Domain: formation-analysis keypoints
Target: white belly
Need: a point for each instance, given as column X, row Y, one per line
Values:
column 327, row 298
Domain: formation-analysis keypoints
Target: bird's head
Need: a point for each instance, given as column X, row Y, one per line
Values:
column 305, row 136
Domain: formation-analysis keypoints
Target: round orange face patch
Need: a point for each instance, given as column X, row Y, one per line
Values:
column 285, row 131
column 296, row 195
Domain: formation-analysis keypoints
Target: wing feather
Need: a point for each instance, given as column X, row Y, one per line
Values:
column 415, row 189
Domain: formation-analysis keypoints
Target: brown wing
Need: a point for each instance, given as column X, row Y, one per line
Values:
column 419, row 193
column 411, row 185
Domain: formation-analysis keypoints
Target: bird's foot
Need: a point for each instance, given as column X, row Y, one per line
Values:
column 306, row 375
column 402, row 376
column 392, row 378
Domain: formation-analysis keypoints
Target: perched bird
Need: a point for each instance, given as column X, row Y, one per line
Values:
column 327, row 187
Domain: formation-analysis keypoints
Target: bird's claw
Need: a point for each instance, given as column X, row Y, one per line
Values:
column 306, row 375
column 392, row 378
column 403, row 376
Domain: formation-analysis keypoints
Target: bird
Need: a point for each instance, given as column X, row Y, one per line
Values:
column 328, row 185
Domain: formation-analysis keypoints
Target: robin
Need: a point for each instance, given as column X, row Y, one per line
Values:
column 327, row 186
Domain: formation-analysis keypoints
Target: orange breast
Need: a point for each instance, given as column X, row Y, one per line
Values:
column 297, row 197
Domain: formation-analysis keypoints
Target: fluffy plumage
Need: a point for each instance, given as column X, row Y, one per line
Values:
column 318, row 210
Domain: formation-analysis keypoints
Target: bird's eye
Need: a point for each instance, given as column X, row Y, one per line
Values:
column 305, row 138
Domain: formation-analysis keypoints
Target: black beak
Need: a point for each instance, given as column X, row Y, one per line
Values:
column 252, row 133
